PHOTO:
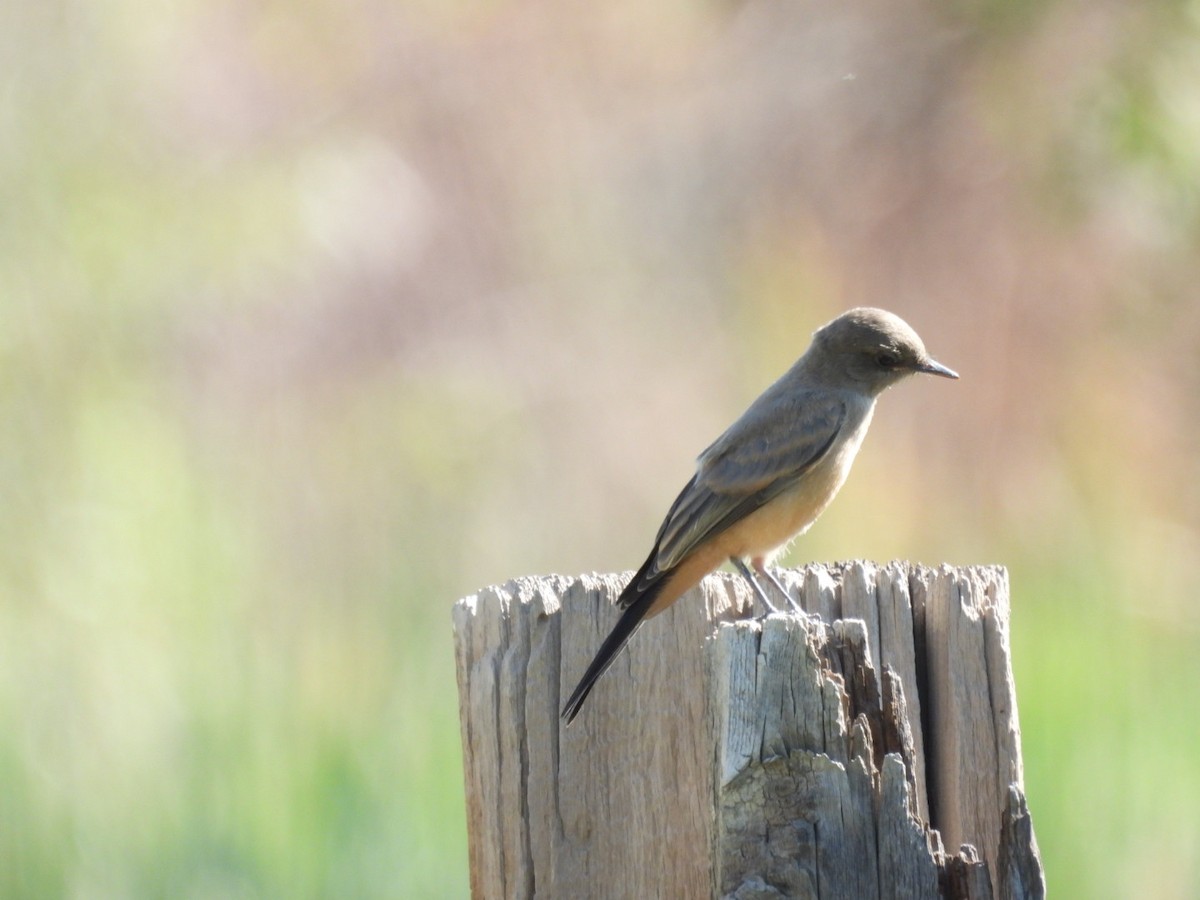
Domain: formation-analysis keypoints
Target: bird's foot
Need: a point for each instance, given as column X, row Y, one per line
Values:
column 769, row 607
column 791, row 601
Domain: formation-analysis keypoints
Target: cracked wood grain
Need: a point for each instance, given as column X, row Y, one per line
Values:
column 829, row 755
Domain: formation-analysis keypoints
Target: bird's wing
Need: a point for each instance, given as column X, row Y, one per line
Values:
column 761, row 456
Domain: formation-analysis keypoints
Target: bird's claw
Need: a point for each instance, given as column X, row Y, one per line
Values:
column 769, row 607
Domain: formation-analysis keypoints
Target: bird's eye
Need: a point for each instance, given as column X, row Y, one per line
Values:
column 886, row 360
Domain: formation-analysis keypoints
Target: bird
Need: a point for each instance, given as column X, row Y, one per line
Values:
column 768, row 477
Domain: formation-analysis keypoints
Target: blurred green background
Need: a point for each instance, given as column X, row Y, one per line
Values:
column 320, row 315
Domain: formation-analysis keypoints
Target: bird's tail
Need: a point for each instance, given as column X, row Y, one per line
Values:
column 635, row 600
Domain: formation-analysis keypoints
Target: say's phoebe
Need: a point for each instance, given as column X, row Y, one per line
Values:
column 768, row 477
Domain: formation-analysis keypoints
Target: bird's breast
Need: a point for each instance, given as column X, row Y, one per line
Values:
column 790, row 513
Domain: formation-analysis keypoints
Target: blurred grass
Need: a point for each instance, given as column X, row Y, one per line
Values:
column 179, row 724
column 1109, row 758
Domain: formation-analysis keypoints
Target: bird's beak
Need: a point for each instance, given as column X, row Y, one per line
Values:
column 936, row 368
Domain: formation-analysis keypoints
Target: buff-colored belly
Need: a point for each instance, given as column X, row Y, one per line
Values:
column 772, row 526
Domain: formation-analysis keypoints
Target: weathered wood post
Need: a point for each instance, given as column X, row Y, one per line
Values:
column 831, row 756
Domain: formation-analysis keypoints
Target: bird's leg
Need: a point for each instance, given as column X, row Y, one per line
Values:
column 754, row 585
column 760, row 566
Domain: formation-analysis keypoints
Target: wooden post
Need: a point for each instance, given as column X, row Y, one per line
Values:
column 829, row 756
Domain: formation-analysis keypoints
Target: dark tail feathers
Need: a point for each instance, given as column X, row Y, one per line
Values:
column 636, row 605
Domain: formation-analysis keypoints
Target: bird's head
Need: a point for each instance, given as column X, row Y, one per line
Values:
column 871, row 349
